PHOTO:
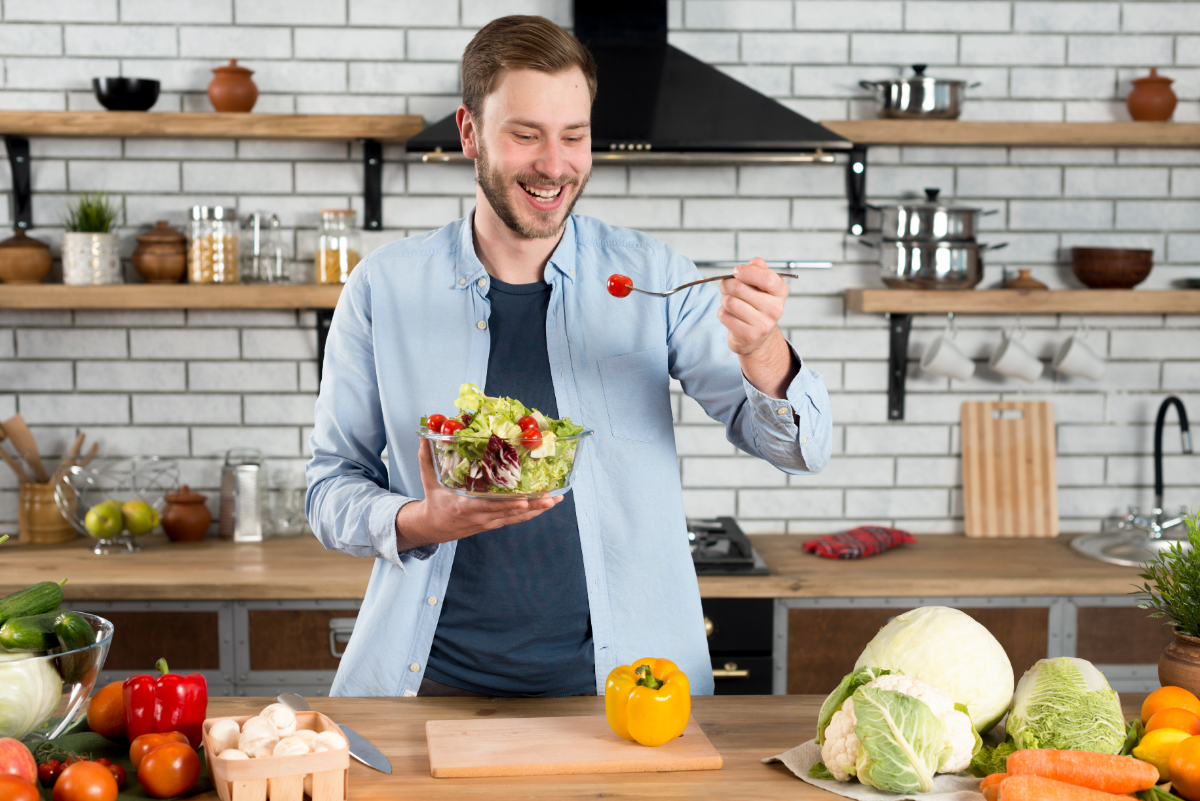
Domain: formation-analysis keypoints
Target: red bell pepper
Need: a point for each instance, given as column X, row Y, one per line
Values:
column 167, row 702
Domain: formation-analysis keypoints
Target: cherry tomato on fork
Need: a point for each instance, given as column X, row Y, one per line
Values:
column 434, row 422
column 452, row 426
column 619, row 286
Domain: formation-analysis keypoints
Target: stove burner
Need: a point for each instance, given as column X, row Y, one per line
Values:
column 720, row 548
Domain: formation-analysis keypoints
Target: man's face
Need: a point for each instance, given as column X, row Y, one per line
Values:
column 533, row 148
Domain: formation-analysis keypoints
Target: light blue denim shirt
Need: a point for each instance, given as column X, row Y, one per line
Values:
column 412, row 325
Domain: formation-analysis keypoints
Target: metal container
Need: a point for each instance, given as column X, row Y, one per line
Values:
column 243, row 496
column 918, row 96
column 930, row 265
column 929, row 220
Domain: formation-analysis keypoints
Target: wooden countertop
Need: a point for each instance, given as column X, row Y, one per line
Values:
column 300, row 568
column 743, row 728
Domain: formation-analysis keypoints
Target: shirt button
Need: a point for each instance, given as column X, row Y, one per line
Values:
column 570, row 272
column 481, row 325
column 482, row 282
column 414, row 667
column 462, row 282
column 432, row 601
column 804, row 441
column 781, row 411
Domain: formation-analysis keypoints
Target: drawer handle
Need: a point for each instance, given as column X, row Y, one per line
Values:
column 730, row 672
column 340, row 629
column 709, row 627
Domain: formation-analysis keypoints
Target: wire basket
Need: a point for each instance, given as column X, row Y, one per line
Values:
column 143, row 478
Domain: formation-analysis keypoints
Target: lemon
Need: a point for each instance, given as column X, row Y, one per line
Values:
column 1156, row 748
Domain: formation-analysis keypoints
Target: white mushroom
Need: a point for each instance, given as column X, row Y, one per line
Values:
column 282, row 718
column 257, row 722
column 307, row 735
column 291, row 746
column 232, row 753
column 258, row 742
column 329, row 741
column 224, row 735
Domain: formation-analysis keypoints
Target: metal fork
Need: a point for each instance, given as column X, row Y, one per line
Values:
column 817, row 265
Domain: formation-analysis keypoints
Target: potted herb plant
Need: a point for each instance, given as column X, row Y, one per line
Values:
column 89, row 248
column 1173, row 592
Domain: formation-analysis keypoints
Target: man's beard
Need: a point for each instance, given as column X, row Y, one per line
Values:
column 495, row 187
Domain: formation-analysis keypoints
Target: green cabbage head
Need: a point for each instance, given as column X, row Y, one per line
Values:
column 29, row 692
column 1066, row 703
column 951, row 650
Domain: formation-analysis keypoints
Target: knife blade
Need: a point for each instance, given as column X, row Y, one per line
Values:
column 360, row 747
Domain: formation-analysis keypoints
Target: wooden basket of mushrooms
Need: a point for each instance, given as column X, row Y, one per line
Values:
column 279, row 755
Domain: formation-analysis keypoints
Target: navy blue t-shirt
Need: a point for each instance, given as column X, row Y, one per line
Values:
column 515, row 620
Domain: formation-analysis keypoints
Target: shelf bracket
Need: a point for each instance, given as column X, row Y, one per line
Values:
column 899, row 326
column 324, row 320
column 18, row 159
column 856, row 190
column 372, row 185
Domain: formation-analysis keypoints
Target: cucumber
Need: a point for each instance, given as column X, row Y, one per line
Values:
column 73, row 631
column 30, row 633
column 45, row 596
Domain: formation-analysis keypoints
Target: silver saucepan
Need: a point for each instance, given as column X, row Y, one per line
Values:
column 929, row 220
column 918, row 96
column 908, row 264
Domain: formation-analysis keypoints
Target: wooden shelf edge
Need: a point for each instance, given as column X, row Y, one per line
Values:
column 192, row 125
column 1043, row 134
column 1022, row 301
column 168, row 296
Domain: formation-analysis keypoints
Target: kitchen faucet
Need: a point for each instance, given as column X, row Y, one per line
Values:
column 1155, row 526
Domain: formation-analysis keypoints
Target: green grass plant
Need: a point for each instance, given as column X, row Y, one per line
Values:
column 91, row 214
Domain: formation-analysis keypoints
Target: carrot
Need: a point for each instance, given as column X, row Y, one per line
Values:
column 1104, row 772
column 990, row 786
column 1038, row 788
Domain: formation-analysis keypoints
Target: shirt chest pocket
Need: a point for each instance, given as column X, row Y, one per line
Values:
column 637, row 394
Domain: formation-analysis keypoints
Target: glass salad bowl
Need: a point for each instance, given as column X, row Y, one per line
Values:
column 141, row 478
column 503, row 469
column 40, row 696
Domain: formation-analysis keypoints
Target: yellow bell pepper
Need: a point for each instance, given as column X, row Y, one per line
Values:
column 648, row 702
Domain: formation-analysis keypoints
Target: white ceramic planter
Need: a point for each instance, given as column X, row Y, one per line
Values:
column 90, row 259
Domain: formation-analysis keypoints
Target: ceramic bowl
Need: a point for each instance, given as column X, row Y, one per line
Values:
column 1111, row 268
column 126, row 94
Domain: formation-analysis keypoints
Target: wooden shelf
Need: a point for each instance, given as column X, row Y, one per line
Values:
column 168, row 296
column 1032, row 134
column 382, row 127
column 1024, row 301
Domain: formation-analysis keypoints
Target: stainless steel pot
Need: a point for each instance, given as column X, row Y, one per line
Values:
column 930, row 220
column 918, row 96
column 907, row 264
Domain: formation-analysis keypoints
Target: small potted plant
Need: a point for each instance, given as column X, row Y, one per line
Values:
column 1173, row 592
column 89, row 248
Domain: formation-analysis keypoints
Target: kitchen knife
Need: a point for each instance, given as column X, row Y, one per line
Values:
column 360, row 747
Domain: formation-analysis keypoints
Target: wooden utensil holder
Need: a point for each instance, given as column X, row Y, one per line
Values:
column 39, row 521
column 281, row 778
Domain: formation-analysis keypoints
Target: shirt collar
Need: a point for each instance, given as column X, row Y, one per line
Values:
column 469, row 269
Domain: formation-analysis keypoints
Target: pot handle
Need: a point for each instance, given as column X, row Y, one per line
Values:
column 975, row 85
column 995, row 247
column 872, row 85
column 873, row 207
column 989, row 211
column 868, row 243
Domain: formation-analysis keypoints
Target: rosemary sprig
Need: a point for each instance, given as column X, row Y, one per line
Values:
column 1172, row 587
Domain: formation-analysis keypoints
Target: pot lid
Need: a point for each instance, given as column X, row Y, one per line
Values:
column 185, row 495
column 931, row 203
column 1153, row 77
column 162, row 232
column 21, row 241
column 233, row 67
column 917, row 76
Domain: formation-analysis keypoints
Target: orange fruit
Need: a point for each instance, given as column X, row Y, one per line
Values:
column 106, row 712
column 1175, row 718
column 1169, row 698
column 1184, row 768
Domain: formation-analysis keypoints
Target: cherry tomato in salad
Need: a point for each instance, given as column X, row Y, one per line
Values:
column 434, row 422
column 619, row 286
column 452, row 426
column 531, row 439
column 528, row 421
column 169, row 770
column 48, row 772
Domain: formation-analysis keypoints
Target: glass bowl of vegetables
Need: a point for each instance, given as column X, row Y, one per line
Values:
column 42, row 691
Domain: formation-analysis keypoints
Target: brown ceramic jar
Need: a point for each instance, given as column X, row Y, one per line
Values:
column 161, row 255
column 186, row 518
column 23, row 259
column 232, row 89
column 1179, row 665
column 1151, row 99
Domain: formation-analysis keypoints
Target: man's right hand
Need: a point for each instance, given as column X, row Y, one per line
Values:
column 445, row 516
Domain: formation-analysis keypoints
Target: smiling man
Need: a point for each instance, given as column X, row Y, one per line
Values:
column 538, row 598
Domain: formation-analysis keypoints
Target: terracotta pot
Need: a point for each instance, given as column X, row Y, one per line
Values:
column 1151, row 99
column 39, row 521
column 161, row 255
column 1179, row 664
column 23, row 260
column 232, row 89
column 186, row 518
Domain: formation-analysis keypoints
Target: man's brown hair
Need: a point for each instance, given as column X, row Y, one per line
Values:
column 520, row 42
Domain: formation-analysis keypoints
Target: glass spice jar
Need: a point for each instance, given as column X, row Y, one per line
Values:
column 338, row 247
column 213, row 246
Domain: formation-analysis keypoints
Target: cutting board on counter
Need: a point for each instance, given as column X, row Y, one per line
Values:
column 546, row 746
column 1010, row 484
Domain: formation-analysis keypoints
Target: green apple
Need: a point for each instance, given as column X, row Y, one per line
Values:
column 140, row 517
column 104, row 520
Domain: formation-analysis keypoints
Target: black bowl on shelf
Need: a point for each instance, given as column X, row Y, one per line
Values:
column 126, row 94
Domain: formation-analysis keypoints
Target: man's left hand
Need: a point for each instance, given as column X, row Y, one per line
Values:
column 751, row 305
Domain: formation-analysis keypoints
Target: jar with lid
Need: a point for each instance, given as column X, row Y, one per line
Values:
column 263, row 257
column 213, row 246
column 338, row 247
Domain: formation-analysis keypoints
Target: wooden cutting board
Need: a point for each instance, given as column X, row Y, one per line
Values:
column 545, row 746
column 1010, row 484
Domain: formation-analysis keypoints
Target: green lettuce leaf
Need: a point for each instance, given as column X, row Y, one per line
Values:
column 849, row 683
column 902, row 742
column 819, row 771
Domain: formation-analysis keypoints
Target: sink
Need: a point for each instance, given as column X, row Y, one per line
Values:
column 1125, row 548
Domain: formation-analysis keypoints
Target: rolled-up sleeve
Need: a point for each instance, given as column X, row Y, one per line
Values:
column 800, row 419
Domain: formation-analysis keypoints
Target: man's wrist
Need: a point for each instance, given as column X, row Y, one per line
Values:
column 408, row 527
column 772, row 367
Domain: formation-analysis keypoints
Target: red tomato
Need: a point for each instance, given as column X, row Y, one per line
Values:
column 528, row 421
column 85, row 781
column 434, row 422
column 619, row 286
column 452, row 426
column 118, row 773
column 169, row 770
column 48, row 772
column 14, row 788
column 148, row 742
column 531, row 439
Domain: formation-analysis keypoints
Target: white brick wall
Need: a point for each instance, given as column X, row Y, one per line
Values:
column 190, row 384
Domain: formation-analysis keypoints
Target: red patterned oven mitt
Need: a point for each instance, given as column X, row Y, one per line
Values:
column 858, row 543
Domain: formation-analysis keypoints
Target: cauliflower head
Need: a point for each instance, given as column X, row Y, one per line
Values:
column 839, row 752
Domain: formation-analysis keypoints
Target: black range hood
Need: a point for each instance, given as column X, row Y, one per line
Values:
column 655, row 101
